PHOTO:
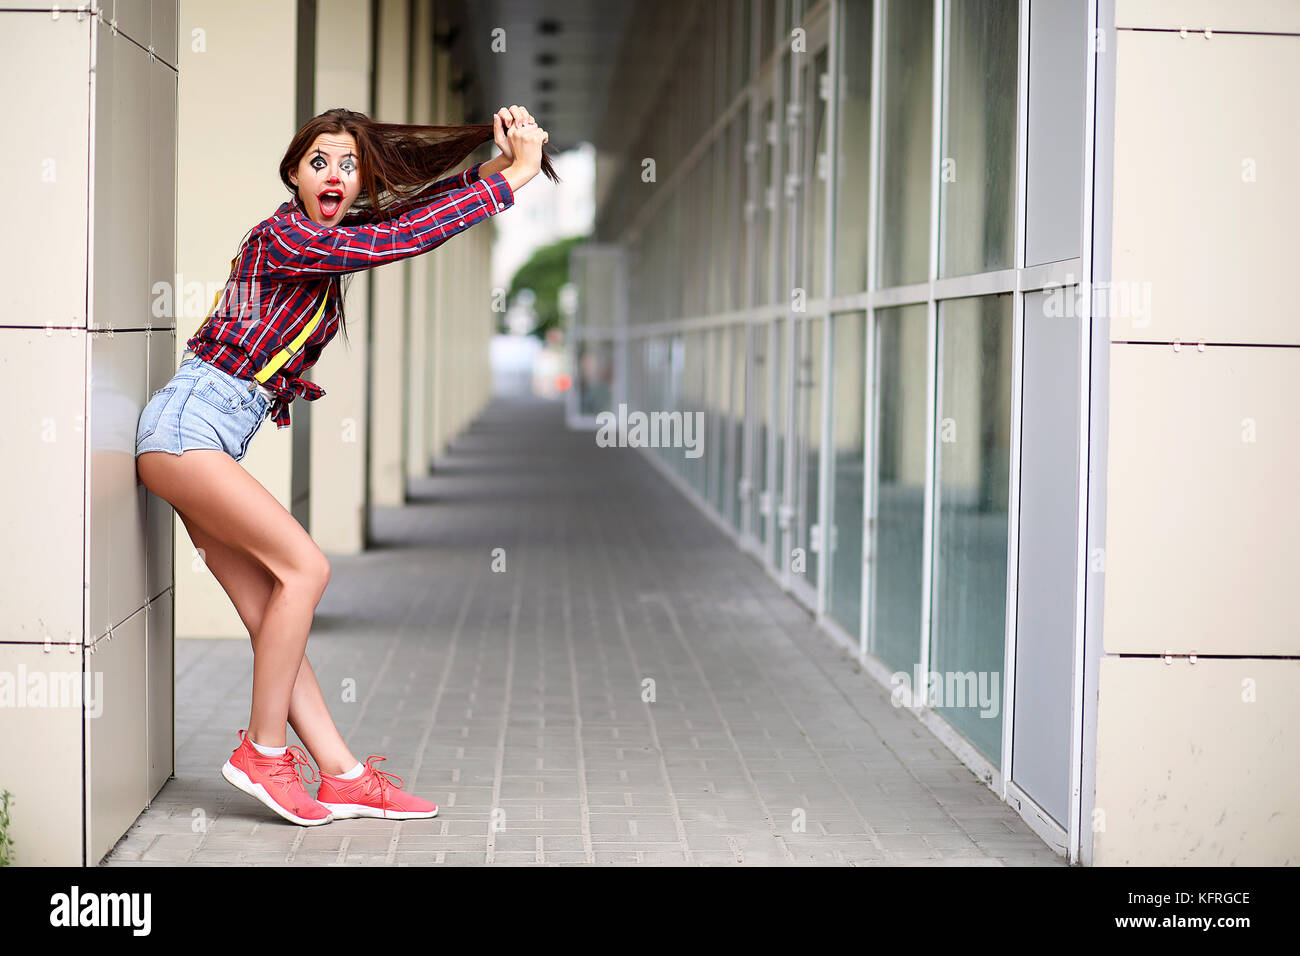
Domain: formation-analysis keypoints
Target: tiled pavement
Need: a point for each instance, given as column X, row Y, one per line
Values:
column 500, row 639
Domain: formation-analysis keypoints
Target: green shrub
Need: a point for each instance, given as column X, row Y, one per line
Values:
column 6, row 842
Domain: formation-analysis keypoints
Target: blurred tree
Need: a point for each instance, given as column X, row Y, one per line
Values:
column 545, row 272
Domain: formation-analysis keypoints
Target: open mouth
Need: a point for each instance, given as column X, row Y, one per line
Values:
column 330, row 200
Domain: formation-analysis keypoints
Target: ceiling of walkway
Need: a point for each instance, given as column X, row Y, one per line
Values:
column 559, row 60
column 587, row 69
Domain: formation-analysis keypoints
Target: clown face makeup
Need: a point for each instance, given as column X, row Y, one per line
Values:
column 328, row 177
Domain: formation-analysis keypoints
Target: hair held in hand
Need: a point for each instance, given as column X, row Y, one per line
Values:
column 397, row 160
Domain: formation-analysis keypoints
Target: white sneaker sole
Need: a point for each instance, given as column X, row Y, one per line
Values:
column 342, row 811
column 239, row 780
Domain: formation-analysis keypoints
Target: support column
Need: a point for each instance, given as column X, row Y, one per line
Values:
column 344, row 39
column 390, row 297
column 421, row 267
column 228, row 183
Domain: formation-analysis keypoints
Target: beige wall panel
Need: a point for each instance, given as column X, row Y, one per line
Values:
column 163, row 15
column 1277, row 16
column 121, row 293
column 116, row 744
column 46, row 174
column 162, row 196
column 1190, row 769
column 160, row 671
column 43, row 427
column 40, row 757
column 1202, row 522
column 117, row 498
column 1206, row 135
column 159, row 515
column 131, row 17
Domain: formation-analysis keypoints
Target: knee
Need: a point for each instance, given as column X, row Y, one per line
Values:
column 308, row 577
column 316, row 575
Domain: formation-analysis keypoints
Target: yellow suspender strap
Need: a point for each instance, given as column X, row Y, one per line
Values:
column 290, row 350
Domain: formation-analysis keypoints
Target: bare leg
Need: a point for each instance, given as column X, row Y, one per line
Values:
column 274, row 575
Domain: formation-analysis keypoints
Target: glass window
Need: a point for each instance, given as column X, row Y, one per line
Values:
column 853, row 146
column 973, row 453
column 742, row 26
column 780, row 215
column 733, row 177
column 736, row 423
column 765, row 214
column 720, row 42
column 676, row 394
column 759, row 415
column 715, row 447
column 901, row 363
column 768, row 33
column 696, row 406
column 779, row 548
column 904, row 237
column 745, row 236
column 1057, row 90
column 842, row 541
column 977, row 181
column 719, row 221
column 816, row 165
column 807, row 442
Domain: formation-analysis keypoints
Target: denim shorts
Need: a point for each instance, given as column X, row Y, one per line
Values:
column 202, row 407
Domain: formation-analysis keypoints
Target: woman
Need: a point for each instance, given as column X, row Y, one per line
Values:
column 361, row 198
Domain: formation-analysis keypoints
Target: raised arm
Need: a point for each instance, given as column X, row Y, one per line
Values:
column 295, row 247
column 466, row 177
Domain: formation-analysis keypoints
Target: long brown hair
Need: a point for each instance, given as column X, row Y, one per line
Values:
column 396, row 160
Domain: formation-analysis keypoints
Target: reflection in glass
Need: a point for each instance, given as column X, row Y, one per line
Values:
column 853, row 146
column 595, row 375
column 736, row 424
column 816, row 164
column 716, row 385
column 807, row 393
column 779, row 557
column 842, row 541
column 676, row 382
column 758, row 413
column 782, row 212
column 693, row 408
column 765, row 214
column 907, row 104
column 972, row 491
column 739, row 173
column 767, row 30
column 977, row 184
column 894, row 626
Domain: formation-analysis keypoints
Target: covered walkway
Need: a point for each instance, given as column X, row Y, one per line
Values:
column 498, row 643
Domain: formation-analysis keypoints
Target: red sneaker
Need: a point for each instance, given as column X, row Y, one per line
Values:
column 372, row 794
column 275, row 782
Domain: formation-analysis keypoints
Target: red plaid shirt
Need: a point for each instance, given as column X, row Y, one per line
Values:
column 289, row 262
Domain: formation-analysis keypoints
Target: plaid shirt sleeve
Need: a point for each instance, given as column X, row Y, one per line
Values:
column 460, row 180
column 293, row 246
